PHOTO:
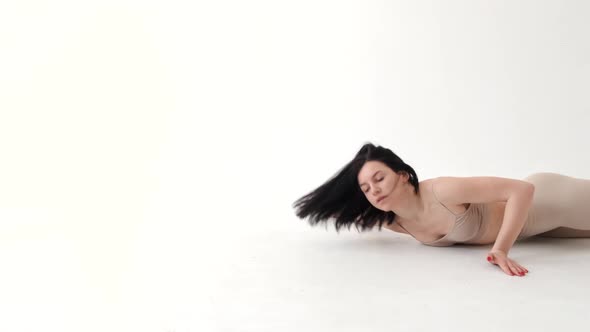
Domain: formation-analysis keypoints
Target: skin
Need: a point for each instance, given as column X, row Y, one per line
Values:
column 400, row 199
column 376, row 180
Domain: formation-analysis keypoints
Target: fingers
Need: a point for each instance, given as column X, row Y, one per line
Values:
column 516, row 269
column 509, row 266
column 508, row 270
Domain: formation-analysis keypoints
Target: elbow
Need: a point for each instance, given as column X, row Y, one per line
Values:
column 529, row 190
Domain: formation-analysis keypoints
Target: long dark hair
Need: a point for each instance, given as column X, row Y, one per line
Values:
column 341, row 198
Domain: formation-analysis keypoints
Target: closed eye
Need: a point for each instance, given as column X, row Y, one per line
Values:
column 379, row 180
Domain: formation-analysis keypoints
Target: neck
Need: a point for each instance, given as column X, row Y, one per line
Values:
column 411, row 206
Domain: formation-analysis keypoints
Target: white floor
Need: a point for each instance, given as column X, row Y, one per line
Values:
column 311, row 280
column 286, row 277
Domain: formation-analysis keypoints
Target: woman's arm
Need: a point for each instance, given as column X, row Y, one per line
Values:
column 515, row 215
column 517, row 194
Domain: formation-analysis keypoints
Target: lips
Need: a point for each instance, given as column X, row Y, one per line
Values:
column 381, row 198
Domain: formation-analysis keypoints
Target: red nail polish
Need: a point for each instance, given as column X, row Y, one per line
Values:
column 489, row 258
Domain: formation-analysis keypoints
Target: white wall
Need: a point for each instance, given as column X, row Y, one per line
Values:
column 140, row 139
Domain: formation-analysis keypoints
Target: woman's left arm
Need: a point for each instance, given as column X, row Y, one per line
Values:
column 515, row 216
column 518, row 196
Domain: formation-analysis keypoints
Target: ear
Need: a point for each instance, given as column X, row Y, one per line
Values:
column 406, row 175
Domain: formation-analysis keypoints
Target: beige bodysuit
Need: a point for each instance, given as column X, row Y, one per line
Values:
column 561, row 208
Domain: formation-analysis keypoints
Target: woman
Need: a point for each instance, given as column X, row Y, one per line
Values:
column 377, row 187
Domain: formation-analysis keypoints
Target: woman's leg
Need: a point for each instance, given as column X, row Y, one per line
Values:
column 566, row 232
column 561, row 206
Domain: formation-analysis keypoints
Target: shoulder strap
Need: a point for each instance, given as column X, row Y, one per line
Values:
column 432, row 189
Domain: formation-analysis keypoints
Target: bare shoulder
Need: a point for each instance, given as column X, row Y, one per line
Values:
column 477, row 189
column 434, row 198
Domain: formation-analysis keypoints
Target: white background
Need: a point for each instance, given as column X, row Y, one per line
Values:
column 151, row 151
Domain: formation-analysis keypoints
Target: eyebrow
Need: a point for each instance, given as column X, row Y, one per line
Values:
column 360, row 185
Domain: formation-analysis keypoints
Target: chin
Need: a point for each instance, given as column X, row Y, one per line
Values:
column 382, row 207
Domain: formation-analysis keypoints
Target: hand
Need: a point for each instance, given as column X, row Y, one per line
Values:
column 509, row 266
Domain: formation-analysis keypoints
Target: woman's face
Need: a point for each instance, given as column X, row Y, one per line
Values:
column 376, row 180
